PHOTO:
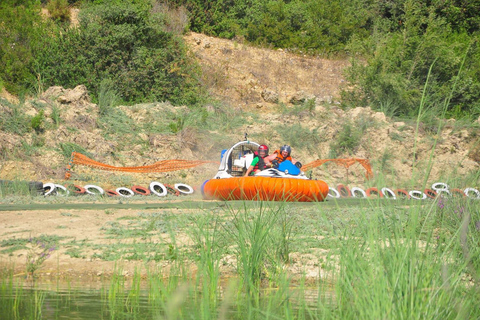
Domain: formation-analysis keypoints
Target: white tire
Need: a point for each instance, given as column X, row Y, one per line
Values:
column 49, row 189
column 336, row 194
column 468, row 191
column 416, row 194
column 183, row 188
column 89, row 187
column 355, row 190
column 64, row 192
column 440, row 186
column 388, row 193
column 157, row 185
column 125, row 192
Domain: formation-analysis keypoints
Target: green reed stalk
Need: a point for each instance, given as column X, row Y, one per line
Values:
column 420, row 110
column 116, row 294
column 251, row 234
column 132, row 302
column 391, row 268
column 206, row 235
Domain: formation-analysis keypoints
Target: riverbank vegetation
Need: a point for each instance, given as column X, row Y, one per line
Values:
column 381, row 259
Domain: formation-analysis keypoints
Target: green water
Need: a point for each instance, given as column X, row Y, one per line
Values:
column 82, row 303
column 72, row 304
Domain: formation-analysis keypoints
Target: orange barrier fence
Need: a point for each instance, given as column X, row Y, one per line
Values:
column 343, row 162
column 160, row 166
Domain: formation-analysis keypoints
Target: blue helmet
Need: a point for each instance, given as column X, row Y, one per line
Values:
column 286, row 148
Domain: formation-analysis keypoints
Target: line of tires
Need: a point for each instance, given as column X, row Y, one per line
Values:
column 437, row 189
column 155, row 189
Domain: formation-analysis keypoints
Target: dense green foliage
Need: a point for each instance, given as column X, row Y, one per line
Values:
column 21, row 34
column 124, row 42
column 398, row 60
column 399, row 40
column 136, row 45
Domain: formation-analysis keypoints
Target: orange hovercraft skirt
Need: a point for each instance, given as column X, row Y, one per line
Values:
column 265, row 189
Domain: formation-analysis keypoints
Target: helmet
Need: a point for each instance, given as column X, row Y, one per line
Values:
column 263, row 148
column 286, row 148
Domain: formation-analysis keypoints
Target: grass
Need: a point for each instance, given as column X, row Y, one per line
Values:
column 18, row 188
column 300, row 137
column 378, row 259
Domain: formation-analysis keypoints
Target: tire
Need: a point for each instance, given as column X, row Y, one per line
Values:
column 467, row 192
column 157, row 185
column 183, row 188
column 336, row 193
column 64, row 192
column 125, row 192
column 90, row 187
column 402, row 193
column 79, row 190
column 455, row 192
column 440, row 186
column 35, row 186
column 372, row 191
column 172, row 190
column 344, row 191
column 432, row 194
column 359, row 190
column 111, row 193
column 49, row 189
column 417, row 195
column 141, row 190
column 391, row 194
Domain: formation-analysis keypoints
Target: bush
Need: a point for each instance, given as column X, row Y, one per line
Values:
column 59, row 10
column 37, row 121
column 347, row 140
column 14, row 120
column 398, row 63
column 128, row 43
column 22, row 32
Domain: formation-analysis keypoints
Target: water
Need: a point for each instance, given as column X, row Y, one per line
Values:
column 74, row 304
column 111, row 303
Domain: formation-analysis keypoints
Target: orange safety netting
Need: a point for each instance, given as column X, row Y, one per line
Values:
column 343, row 162
column 160, row 166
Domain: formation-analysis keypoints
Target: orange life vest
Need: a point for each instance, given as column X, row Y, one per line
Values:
column 279, row 157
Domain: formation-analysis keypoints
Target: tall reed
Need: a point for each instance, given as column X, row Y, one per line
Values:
column 400, row 269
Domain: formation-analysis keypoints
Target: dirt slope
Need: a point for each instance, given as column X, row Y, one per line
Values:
column 282, row 90
column 261, row 78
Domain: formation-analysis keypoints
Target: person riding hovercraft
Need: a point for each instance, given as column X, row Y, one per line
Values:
column 258, row 163
column 281, row 155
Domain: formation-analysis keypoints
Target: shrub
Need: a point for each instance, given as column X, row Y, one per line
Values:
column 59, row 10
column 22, row 32
column 127, row 43
column 398, row 63
column 347, row 140
column 14, row 120
column 37, row 121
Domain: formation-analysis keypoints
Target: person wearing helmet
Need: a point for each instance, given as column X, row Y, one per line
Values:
column 258, row 163
column 284, row 153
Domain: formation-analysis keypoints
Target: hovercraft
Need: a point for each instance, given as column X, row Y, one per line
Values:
column 285, row 183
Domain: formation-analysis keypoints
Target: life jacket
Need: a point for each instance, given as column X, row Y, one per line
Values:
column 260, row 164
column 279, row 157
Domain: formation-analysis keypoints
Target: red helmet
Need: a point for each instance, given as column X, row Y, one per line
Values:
column 263, row 148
